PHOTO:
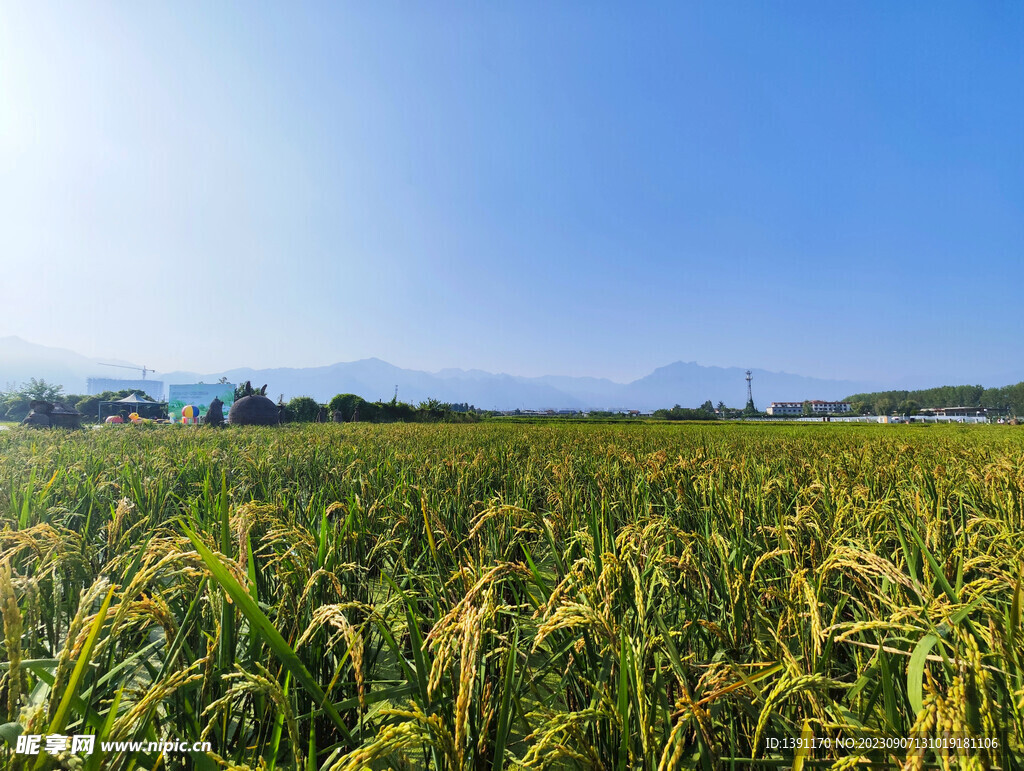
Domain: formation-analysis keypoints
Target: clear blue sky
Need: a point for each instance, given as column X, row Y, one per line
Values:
column 833, row 189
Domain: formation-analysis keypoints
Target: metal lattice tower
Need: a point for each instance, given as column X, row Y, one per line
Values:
column 750, row 393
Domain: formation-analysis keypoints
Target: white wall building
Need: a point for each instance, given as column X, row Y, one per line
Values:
column 818, row 407
column 785, row 408
column 97, row 385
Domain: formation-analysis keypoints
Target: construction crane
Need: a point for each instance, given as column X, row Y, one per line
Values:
column 142, row 369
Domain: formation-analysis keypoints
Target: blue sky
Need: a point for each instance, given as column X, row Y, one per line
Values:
column 835, row 190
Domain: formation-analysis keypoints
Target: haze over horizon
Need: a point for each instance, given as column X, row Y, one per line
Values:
column 834, row 192
column 375, row 379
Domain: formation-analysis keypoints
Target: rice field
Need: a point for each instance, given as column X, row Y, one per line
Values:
column 496, row 596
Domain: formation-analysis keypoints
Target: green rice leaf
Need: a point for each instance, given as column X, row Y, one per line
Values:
column 273, row 638
column 915, row 671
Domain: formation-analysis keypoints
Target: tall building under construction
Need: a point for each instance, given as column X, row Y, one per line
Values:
column 153, row 388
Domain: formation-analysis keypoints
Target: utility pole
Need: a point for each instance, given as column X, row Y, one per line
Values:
column 750, row 409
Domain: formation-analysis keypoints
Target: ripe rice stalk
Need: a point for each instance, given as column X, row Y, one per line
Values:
column 666, row 571
column 12, row 639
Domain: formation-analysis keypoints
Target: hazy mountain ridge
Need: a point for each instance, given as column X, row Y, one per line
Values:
column 685, row 383
column 21, row 360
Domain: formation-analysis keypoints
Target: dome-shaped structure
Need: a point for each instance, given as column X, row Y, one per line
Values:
column 255, row 410
column 37, row 418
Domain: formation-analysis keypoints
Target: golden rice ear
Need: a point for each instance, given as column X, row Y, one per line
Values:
column 587, row 596
column 13, row 627
column 75, row 639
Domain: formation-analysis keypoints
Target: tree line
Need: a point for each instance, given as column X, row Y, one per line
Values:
column 354, row 408
column 1008, row 399
column 707, row 411
column 16, row 401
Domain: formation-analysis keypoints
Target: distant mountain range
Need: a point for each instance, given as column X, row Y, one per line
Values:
column 686, row 383
column 21, row 360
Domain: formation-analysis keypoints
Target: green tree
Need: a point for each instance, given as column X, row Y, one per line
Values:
column 395, row 411
column 302, row 409
column 40, row 389
column 681, row 413
column 808, row 409
column 432, row 410
column 1008, row 398
column 89, row 406
column 1015, row 399
column 346, row 404
column 368, row 412
column 909, row 407
column 994, row 398
column 16, row 402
